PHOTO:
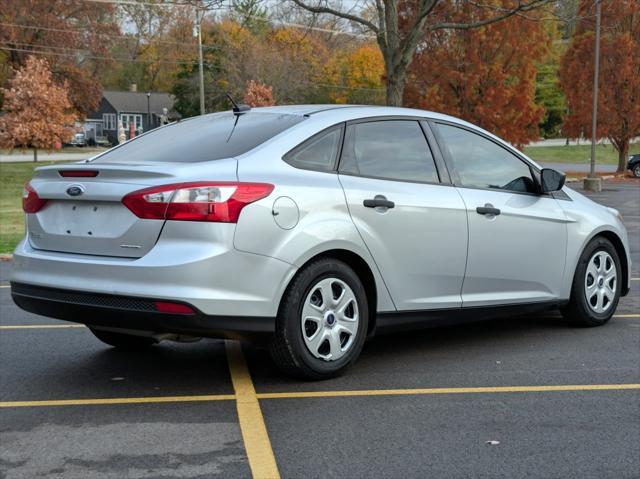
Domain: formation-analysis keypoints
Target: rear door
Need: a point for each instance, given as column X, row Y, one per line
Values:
column 414, row 225
column 517, row 237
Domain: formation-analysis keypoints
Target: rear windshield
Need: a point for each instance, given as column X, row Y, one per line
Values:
column 203, row 138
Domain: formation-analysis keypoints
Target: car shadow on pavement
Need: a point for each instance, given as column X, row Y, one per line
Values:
column 422, row 354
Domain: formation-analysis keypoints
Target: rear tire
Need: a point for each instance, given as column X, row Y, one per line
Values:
column 636, row 171
column 596, row 285
column 128, row 342
column 322, row 322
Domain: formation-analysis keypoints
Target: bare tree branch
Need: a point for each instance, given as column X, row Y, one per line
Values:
column 522, row 7
column 337, row 13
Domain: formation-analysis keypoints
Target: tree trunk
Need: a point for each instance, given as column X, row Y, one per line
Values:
column 395, row 89
column 623, row 154
column 35, row 154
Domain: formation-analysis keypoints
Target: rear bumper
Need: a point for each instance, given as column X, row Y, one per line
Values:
column 191, row 263
column 134, row 313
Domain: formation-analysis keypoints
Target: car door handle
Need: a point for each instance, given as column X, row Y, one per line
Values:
column 379, row 202
column 487, row 210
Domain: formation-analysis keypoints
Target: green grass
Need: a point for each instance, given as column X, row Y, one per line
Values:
column 605, row 154
column 13, row 177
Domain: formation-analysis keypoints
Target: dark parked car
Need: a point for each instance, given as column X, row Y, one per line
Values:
column 634, row 165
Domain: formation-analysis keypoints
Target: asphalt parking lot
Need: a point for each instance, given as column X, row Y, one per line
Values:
column 515, row 397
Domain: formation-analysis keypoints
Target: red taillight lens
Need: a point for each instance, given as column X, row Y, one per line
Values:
column 31, row 202
column 173, row 308
column 219, row 202
column 78, row 173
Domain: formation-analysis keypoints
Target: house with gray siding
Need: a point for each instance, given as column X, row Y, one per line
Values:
column 142, row 109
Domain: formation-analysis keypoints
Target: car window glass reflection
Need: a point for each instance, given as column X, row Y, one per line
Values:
column 319, row 153
column 392, row 149
column 481, row 163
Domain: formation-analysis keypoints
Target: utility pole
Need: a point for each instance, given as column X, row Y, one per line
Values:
column 592, row 182
column 199, row 18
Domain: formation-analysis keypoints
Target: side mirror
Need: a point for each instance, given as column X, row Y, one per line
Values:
column 552, row 180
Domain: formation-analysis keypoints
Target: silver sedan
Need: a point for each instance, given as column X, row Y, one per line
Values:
column 313, row 228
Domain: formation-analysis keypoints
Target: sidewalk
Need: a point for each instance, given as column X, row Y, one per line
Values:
column 19, row 157
column 578, row 167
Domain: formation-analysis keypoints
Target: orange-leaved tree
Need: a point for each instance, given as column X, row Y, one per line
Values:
column 485, row 75
column 74, row 36
column 38, row 112
column 258, row 94
column 619, row 79
column 358, row 75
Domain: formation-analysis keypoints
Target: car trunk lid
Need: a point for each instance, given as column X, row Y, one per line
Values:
column 84, row 214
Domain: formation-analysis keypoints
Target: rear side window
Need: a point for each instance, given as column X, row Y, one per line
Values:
column 317, row 153
column 203, row 138
column 390, row 149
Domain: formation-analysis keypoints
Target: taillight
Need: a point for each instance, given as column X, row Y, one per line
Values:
column 31, row 202
column 78, row 173
column 206, row 201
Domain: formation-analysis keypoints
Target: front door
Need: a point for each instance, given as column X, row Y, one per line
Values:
column 414, row 226
column 517, row 237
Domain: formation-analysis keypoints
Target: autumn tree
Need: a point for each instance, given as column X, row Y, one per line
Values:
column 156, row 40
column 619, row 80
column 398, row 26
column 73, row 35
column 357, row 74
column 485, row 75
column 38, row 111
column 258, row 94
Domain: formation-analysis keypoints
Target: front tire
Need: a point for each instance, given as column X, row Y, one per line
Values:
column 596, row 285
column 128, row 342
column 322, row 322
column 636, row 171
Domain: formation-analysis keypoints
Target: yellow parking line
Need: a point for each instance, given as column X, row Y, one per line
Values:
column 4, row 286
column 42, row 326
column 431, row 391
column 254, row 431
column 626, row 315
column 104, row 401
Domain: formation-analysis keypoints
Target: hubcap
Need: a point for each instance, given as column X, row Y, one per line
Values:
column 600, row 282
column 329, row 319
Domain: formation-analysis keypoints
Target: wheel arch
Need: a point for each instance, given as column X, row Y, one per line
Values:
column 617, row 243
column 361, row 268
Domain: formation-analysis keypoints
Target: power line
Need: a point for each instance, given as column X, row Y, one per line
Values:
column 100, row 34
column 79, row 52
column 63, row 54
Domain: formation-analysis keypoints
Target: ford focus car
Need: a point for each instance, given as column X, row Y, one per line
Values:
column 315, row 228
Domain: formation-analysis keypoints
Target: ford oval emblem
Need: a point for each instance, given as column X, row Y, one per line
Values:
column 75, row 190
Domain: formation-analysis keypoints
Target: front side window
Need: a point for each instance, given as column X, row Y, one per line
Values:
column 390, row 149
column 317, row 153
column 481, row 163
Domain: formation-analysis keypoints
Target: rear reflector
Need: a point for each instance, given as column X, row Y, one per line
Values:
column 173, row 308
column 219, row 202
column 78, row 173
column 31, row 202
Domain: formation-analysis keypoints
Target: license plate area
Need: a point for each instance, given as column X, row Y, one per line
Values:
column 97, row 219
